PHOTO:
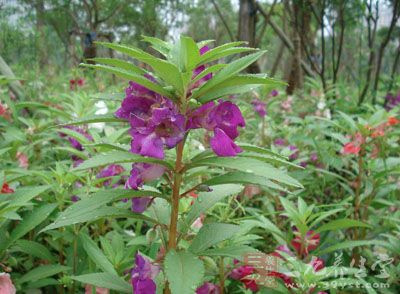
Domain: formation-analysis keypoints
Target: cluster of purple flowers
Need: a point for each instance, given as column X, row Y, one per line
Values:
column 157, row 124
column 391, row 101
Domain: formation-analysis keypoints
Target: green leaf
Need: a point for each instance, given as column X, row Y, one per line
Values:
column 341, row 224
column 169, row 73
column 250, row 79
column 211, row 234
column 105, row 280
column 41, row 272
column 349, row 121
column 217, row 52
column 34, row 249
column 347, row 245
column 141, row 80
column 118, row 157
column 158, row 44
column 227, row 52
column 210, row 69
column 237, row 82
column 122, row 64
column 33, row 219
column 243, row 178
column 184, row 272
column 93, row 208
column 132, row 52
column 24, row 194
column 248, row 165
column 76, row 135
column 92, row 119
column 228, row 71
column 206, row 200
column 235, row 251
column 96, row 255
column 189, row 53
column 222, row 92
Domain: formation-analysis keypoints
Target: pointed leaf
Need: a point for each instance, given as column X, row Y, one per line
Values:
column 118, row 157
column 184, row 272
column 211, row 234
column 105, row 280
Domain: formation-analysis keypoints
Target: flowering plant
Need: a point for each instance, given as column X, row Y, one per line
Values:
column 182, row 92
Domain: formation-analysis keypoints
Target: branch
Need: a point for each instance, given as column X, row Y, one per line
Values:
column 223, row 20
column 271, row 10
column 115, row 11
column 285, row 40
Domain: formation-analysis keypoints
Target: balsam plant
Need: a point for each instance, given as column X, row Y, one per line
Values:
column 166, row 100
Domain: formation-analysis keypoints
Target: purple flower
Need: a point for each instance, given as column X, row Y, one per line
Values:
column 314, row 157
column 164, row 128
column 110, row 171
column 259, row 107
column 303, row 164
column 295, row 152
column 76, row 161
column 224, row 119
column 155, row 124
column 274, row 93
column 140, row 174
column 208, row 288
column 75, row 198
column 391, row 101
column 223, row 145
column 143, row 275
column 279, row 142
column 74, row 142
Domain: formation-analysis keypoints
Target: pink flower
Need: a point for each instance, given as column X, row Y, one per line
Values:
column 23, row 160
column 351, row 148
column 354, row 147
column 241, row 272
column 198, row 223
column 304, row 245
column 6, row 285
column 5, row 189
column 287, row 104
column 4, row 112
column 250, row 284
column 88, row 290
column 208, row 288
column 251, row 190
column 317, row 263
column 393, row 121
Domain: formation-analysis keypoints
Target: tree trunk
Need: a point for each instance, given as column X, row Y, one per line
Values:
column 15, row 85
column 40, row 41
column 247, row 27
column 385, row 41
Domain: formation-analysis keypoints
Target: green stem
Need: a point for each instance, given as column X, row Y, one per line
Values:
column 173, row 232
column 222, row 275
column 172, row 237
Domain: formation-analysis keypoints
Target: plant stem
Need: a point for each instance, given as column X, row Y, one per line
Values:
column 222, row 275
column 357, row 202
column 172, row 232
column 358, row 190
column 172, row 238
